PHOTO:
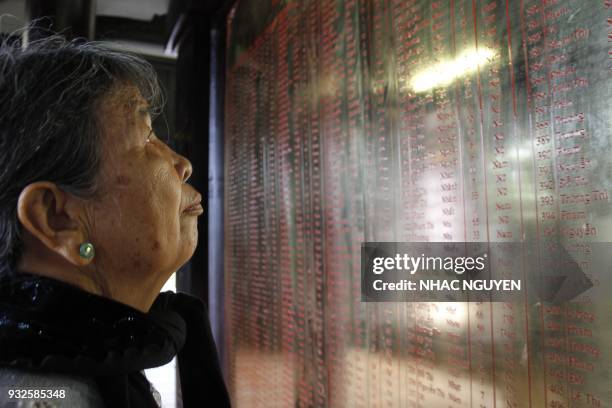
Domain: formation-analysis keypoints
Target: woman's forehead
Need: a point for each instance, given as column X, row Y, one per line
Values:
column 123, row 116
column 124, row 101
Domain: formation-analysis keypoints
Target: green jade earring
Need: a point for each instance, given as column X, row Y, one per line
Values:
column 87, row 251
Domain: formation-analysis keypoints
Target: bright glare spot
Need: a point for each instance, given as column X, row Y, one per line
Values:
column 447, row 71
column 163, row 378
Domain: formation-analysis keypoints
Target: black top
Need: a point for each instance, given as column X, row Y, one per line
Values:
column 51, row 326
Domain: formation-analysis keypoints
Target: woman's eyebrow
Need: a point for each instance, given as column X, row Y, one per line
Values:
column 144, row 108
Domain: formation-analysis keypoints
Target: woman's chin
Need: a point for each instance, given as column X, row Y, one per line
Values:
column 189, row 244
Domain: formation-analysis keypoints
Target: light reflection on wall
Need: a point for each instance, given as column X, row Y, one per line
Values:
column 445, row 72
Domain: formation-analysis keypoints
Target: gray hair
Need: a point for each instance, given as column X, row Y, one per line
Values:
column 49, row 129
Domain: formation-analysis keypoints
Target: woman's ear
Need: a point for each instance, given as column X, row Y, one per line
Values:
column 46, row 212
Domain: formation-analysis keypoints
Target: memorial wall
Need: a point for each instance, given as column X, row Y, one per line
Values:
column 353, row 121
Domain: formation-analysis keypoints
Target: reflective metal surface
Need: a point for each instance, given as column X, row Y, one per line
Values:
column 415, row 120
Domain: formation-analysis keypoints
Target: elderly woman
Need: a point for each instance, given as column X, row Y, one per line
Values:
column 95, row 216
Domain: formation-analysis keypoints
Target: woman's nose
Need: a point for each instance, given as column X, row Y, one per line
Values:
column 183, row 167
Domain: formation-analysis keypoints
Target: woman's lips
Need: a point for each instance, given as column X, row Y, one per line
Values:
column 195, row 203
column 194, row 209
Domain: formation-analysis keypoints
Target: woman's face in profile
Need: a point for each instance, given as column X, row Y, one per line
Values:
column 137, row 220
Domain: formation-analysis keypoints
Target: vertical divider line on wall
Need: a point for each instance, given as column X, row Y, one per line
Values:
column 367, row 89
column 215, row 193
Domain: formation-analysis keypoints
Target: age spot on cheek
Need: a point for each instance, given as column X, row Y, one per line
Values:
column 122, row 180
column 155, row 246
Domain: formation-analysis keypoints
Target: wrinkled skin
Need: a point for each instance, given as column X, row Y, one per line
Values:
column 135, row 220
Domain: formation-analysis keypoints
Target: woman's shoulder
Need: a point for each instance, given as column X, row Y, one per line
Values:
column 22, row 388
